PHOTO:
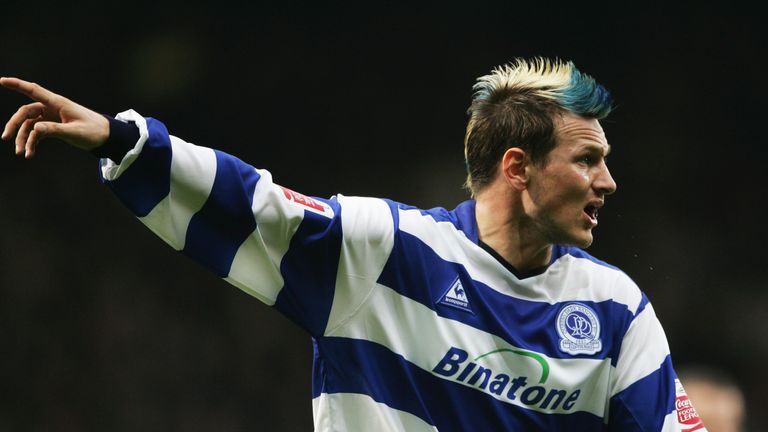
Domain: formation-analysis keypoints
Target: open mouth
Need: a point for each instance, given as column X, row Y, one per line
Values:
column 591, row 212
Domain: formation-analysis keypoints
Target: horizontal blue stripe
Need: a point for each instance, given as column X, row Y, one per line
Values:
column 217, row 231
column 643, row 405
column 466, row 222
column 414, row 270
column 309, row 270
column 318, row 371
column 363, row 367
column 462, row 217
column 643, row 303
column 148, row 180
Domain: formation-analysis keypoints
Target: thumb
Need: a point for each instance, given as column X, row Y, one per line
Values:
column 70, row 133
column 52, row 129
column 85, row 134
column 40, row 131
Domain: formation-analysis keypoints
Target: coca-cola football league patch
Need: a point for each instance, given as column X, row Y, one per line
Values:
column 687, row 417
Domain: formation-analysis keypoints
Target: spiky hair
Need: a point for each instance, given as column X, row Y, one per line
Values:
column 515, row 106
column 554, row 79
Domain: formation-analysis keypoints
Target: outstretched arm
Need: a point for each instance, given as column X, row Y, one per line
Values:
column 280, row 246
column 52, row 115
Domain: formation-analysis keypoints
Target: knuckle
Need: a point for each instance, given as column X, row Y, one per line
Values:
column 26, row 109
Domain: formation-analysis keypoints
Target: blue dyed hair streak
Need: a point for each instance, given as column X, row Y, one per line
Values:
column 515, row 106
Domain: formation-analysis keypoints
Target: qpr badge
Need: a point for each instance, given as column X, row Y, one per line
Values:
column 579, row 329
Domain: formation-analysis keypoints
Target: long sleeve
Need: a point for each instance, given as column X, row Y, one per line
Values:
column 273, row 243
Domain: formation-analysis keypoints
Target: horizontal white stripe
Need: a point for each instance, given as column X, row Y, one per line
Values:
column 193, row 171
column 582, row 279
column 253, row 272
column 568, row 279
column 386, row 317
column 643, row 350
column 368, row 240
column 110, row 169
column 352, row 412
column 256, row 266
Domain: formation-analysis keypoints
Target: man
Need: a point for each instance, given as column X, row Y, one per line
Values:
column 488, row 317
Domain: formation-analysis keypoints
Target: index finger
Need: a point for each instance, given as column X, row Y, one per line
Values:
column 29, row 89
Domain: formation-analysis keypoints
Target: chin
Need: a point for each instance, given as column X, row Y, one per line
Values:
column 586, row 241
column 582, row 241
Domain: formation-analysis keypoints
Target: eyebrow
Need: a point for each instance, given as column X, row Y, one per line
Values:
column 599, row 148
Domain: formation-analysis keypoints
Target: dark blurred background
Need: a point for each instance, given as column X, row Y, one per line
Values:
column 103, row 327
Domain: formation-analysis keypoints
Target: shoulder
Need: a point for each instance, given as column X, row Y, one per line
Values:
column 598, row 279
column 458, row 224
column 363, row 213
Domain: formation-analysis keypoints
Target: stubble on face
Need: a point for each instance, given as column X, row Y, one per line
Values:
column 566, row 189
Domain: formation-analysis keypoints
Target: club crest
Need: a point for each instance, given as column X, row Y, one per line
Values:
column 579, row 329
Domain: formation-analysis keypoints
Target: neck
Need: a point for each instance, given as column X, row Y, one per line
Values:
column 502, row 225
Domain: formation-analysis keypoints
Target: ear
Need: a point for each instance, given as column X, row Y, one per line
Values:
column 514, row 168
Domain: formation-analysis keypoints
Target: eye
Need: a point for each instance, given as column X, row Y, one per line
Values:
column 588, row 159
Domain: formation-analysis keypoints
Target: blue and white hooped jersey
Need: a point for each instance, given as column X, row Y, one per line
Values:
column 416, row 326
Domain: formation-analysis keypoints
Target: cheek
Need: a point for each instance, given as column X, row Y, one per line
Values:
column 572, row 194
column 562, row 192
column 572, row 187
column 578, row 182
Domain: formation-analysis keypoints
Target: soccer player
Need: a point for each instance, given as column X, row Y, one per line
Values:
column 488, row 317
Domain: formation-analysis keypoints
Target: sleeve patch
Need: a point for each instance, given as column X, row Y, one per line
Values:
column 687, row 417
column 311, row 204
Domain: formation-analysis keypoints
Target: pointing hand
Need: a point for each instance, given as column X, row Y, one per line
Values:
column 52, row 115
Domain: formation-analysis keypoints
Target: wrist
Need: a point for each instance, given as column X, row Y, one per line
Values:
column 120, row 138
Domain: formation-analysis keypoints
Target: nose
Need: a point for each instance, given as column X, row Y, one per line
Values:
column 604, row 183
